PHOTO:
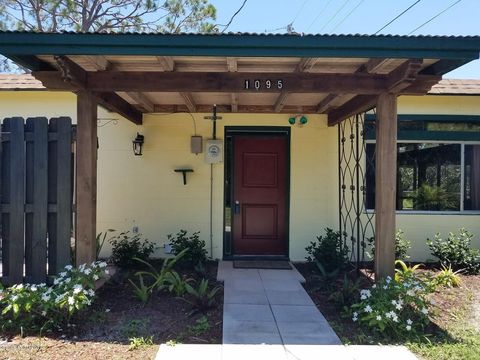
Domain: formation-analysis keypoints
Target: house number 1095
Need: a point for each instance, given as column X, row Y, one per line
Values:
column 263, row 84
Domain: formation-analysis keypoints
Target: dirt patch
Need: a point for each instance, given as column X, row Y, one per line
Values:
column 103, row 332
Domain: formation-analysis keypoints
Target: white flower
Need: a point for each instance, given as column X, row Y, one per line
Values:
column 95, row 277
column 63, row 274
column 69, row 267
column 368, row 309
column 33, row 288
column 408, row 327
column 379, row 317
column 385, row 287
column 394, row 302
column 107, row 272
column 91, row 292
column 67, row 280
column 425, row 311
column 398, row 306
column 395, row 318
column 71, row 300
column 363, row 297
column 374, row 286
column 409, row 322
column 103, row 264
column 354, row 318
column 107, row 310
column 44, row 313
column 388, row 279
column 14, row 297
column 77, row 288
column 45, row 297
column 56, row 281
column 355, row 314
column 87, row 271
column 410, row 292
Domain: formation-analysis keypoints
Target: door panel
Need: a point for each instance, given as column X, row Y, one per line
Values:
column 260, row 178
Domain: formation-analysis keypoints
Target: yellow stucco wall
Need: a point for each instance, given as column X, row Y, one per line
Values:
column 146, row 192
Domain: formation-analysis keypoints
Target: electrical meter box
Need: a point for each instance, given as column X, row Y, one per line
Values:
column 213, row 151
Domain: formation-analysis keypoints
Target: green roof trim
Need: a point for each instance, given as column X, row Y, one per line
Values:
column 435, row 47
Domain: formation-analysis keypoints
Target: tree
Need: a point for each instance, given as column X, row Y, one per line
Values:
column 169, row 16
column 172, row 16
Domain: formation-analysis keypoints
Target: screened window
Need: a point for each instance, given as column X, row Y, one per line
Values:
column 432, row 176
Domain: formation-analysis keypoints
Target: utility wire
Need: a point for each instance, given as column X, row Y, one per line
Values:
column 299, row 11
column 233, row 16
column 318, row 15
column 348, row 15
column 434, row 17
column 335, row 15
column 396, row 17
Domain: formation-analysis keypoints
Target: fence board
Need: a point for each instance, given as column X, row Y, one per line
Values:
column 13, row 175
column 36, row 198
column 60, row 192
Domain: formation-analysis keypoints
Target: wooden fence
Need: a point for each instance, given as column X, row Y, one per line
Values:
column 36, row 190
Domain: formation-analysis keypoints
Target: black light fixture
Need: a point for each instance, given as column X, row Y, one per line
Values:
column 138, row 144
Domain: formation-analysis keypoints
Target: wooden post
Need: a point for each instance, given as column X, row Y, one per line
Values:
column 385, row 185
column 86, row 179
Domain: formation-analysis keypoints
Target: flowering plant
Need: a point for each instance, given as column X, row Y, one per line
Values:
column 398, row 308
column 30, row 306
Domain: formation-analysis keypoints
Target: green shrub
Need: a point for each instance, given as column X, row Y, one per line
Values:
column 397, row 309
column 447, row 277
column 27, row 307
column 126, row 246
column 201, row 297
column 196, row 253
column 455, row 252
column 402, row 246
column 328, row 250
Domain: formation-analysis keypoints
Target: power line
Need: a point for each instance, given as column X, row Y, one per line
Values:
column 335, row 15
column 434, row 17
column 348, row 15
column 396, row 17
column 318, row 15
column 233, row 16
column 299, row 11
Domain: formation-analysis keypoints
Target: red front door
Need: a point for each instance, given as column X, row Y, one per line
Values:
column 259, row 195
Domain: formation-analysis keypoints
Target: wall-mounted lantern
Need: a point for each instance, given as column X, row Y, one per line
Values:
column 138, row 144
column 300, row 120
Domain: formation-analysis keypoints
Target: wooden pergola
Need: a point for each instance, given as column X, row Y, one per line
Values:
column 134, row 74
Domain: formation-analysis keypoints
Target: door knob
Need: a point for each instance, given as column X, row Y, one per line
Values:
column 236, row 209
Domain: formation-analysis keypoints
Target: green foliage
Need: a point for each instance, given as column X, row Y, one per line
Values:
column 328, row 251
column 447, row 277
column 141, row 291
column 196, row 252
column 455, row 252
column 402, row 246
column 405, row 272
column 100, row 240
column 159, row 277
column 176, row 284
column 429, row 197
column 37, row 307
column 202, row 297
column 397, row 309
column 138, row 342
column 201, row 326
column 126, row 247
column 347, row 294
column 136, row 328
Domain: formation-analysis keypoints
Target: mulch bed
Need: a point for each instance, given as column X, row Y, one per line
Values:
column 104, row 330
column 449, row 302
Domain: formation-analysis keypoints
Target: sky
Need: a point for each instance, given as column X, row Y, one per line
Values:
column 357, row 17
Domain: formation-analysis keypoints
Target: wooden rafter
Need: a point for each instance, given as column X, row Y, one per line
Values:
column 232, row 65
column 264, row 109
column 280, row 102
column 99, row 62
column 167, row 63
column 142, row 100
column 189, row 102
column 358, row 104
column 324, row 105
column 75, row 78
column 234, row 102
column 373, row 65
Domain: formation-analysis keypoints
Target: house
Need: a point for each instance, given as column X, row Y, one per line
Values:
column 285, row 147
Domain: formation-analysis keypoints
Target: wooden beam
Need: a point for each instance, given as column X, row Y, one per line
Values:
column 404, row 75
column 224, row 82
column 305, row 64
column 234, row 102
column 167, row 63
column 86, row 179
column 232, row 65
column 113, row 102
column 74, row 78
column 373, row 65
column 358, row 104
column 189, row 102
column 385, row 185
column 142, row 100
column 280, row 102
column 99, row 62
column 264, row 109
column 422, row 84
column 325, row 103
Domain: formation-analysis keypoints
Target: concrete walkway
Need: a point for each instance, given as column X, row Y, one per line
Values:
column 268, row 315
